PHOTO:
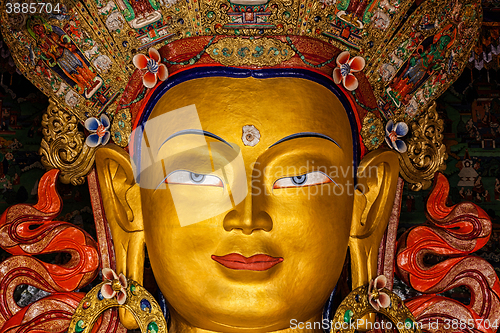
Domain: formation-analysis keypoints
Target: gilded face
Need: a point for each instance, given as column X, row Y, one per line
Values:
column 253, row 261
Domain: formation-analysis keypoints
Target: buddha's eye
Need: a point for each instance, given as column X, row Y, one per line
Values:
column 191, row 178
column 308, row 179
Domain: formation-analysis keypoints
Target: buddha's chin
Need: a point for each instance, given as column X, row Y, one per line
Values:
column 249, row 319
column 245, row 315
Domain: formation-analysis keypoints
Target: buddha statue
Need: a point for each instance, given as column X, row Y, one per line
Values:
column 251, row 147
column 254, row 261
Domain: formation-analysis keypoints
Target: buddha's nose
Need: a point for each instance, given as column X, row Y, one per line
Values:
column 248, row 217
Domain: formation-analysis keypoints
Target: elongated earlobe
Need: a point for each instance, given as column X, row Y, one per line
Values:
column 375, row 191
column 122, row 204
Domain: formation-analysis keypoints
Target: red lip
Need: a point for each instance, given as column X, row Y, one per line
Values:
column 258, row 262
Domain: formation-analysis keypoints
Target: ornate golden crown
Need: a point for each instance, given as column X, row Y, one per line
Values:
column 82, row 57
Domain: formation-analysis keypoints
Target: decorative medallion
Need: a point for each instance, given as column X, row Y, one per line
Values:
column 251, row 135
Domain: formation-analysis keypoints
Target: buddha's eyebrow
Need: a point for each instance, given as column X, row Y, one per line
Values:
column 197, row 132
column 305, row 135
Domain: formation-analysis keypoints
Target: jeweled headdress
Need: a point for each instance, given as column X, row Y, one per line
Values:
column 101, row 61
column 393, row 58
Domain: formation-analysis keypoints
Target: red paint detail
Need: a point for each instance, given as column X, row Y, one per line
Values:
column 451, row 235
column 101, row 130
column 29, row 230
column 258, row 262
column 393, row 136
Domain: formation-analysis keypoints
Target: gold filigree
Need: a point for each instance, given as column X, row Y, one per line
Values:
column 139, row 302
column 356, row 305
column 426, row 152
column 250, row 51
column 121, row 127
column 372, row 131
column 63, row 145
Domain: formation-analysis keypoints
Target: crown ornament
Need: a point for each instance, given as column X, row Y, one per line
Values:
column 82, row 56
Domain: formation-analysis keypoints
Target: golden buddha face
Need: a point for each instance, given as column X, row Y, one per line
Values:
column 270, row 227
column 300, row 230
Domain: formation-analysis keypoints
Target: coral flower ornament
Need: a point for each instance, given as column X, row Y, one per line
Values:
column 116, row 286
column 99, row 130
column 346, row 66
column 376, row 297
column 392, row 134
column 155, row 69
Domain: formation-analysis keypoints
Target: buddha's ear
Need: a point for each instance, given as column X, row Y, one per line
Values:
column 122, row 203
column 373, row 201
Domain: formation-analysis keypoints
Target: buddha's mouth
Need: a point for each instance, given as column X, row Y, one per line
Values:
column 258, row 262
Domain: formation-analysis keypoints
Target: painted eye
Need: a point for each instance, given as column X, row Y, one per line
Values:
column 197, row 178
column 190, row 178
column 299, row 180
column 308, row 179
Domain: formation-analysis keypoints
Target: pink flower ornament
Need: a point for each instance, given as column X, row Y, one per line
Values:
column 116, row 286
column 345, row 67
column 155, row 69
column 376, row 297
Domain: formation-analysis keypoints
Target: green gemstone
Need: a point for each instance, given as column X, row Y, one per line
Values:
column 408, row 323
column 236, row 31
column 348, row 316
column 207, row 30
column 287, row 15
column 210, row 14
column 132, row 288
column 79, row 326
column 152, row 327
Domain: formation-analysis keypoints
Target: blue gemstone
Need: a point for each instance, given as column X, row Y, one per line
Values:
column 99, row 296
column 145, row 305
